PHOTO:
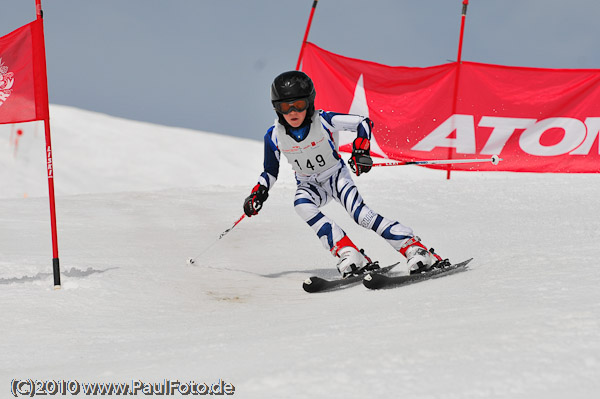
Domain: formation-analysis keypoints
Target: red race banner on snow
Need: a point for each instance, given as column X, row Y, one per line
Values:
column 537, row 120
column 23, row 87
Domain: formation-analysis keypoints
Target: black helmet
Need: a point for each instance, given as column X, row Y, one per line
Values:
column 291, row 86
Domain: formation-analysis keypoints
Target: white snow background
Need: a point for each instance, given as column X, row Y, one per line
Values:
column 134, row 200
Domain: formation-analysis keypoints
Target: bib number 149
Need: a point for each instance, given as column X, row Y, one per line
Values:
column 309, row 165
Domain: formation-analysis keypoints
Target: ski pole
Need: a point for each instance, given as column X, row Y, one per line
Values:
column 191, row 261
column 494, row 160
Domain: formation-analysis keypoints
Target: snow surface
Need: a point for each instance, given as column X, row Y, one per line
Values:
column 134, row 200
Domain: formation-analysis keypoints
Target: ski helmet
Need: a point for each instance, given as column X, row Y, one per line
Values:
column 293, row 85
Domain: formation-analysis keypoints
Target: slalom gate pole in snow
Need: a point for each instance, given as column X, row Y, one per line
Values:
column 191, row 261
column 40, row 54
column 494, row 159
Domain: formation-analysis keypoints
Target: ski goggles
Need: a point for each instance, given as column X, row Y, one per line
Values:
column 285, row 107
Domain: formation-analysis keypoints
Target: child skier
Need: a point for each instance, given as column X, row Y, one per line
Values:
column 309, row 140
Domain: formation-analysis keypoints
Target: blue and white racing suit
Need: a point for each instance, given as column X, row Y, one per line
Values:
column 321, row 175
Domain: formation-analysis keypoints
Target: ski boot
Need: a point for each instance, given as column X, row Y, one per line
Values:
column 418, row 257
column 352, row 261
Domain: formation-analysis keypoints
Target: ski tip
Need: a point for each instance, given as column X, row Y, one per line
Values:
column 373, row 281
column 309, row 285
column 466, row 262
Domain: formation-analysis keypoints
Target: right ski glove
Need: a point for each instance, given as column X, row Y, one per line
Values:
column 253, row 203
column 360, row 161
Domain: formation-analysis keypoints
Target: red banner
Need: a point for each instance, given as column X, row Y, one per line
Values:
column 23, row 87
column 537, row 120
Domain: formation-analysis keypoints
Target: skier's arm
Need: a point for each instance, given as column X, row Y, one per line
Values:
column 355, row 123
column 271, row 163
column 360, row 161
column 253, row 203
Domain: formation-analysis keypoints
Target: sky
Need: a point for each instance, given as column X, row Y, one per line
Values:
column 208, row 65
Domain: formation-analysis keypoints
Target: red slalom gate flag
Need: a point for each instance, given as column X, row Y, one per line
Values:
column 537, row 120
column 23, row 87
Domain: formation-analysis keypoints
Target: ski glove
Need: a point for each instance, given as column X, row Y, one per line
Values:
column 253, row 203
column 360, row 161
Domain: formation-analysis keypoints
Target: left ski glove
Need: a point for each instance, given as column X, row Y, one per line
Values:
column 254, row 202
column 360, row 161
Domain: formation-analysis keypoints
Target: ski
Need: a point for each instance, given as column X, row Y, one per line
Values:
column 318, row 284
column 375, row 281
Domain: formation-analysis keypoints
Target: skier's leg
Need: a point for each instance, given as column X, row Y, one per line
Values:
column 399, row 236
column 307, row 201
column 346, row 193
column 309, row 197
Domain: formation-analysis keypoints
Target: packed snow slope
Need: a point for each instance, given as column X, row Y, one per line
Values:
column 135, row 200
